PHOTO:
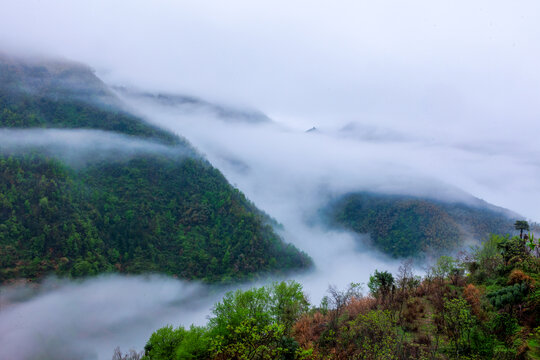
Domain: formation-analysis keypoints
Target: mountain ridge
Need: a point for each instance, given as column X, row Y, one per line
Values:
column 413, row 226
column 158, row 206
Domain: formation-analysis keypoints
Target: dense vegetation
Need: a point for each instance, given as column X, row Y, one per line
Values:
column 483, row 305
column 146, row 211
column 404, row 226
column 21, row 110
column 149, row 213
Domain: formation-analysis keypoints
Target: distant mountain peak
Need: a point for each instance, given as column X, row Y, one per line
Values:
column 193, row 104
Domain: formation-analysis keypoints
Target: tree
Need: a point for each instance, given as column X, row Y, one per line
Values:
column 521, row 225
column 381, row 284
column 168, row 343
column 458, row 323
column 131, row 355
column 338, row 300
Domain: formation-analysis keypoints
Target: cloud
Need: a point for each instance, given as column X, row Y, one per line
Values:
column 87, row 319
column 317, row 61
column 81, row 146
column 446, row 93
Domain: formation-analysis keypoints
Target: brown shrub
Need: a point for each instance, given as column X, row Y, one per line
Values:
column 472, row 295
column 357, row 306
column 308, row 329
column 414, row 308
column 517, row 276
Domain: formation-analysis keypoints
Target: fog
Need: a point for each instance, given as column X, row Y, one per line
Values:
column 78, row 147
column 88, row 319
column 437, row 99
column 456, row 72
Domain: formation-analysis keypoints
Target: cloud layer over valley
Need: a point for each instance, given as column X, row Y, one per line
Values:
column 433, row 99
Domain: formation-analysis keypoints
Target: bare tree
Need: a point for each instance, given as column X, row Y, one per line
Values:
column 130, row 355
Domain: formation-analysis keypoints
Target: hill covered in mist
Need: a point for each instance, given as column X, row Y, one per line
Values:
column 405, row 226
column 111, row 193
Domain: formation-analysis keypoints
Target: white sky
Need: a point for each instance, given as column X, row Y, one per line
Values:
column 461, row 73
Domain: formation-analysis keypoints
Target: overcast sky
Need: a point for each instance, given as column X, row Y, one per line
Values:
column 463, row 74
column 445, row 91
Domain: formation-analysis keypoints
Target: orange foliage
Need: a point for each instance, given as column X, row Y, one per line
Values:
column 308, row 329
column 517, row 276
column 357, row 306
column 472, row 295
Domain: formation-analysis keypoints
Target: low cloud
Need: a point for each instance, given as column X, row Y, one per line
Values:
column 87, row 319
column 78, row 147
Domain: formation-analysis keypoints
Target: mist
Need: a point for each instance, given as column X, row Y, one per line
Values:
column 79, row 147
column 87, row 319
column 421, row 98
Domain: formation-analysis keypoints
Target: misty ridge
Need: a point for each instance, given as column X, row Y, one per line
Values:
column 192, row 106
column 80, row 147
column 293, row 181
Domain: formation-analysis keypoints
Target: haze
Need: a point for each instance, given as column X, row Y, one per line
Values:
column 432, row 98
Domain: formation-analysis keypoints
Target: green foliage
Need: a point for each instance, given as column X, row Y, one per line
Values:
column 274, row 322
column 251, row 324
column 248, row 341
column 370, row 336
column 168, row 343
column 521, row 225
column 503, row 325
column 144, row 213
column 534, row 344
column 405, row 226
column 512, row 249
column 445, row 266
column 508, row 295
column 150, row 213
column 458, row 324
column 381, row 283
column 279, row 303
column 488, row 256
column 26, row 110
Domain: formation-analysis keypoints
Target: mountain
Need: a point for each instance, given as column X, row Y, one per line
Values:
column 405, row 226
column 191, row 105
column 86, row 188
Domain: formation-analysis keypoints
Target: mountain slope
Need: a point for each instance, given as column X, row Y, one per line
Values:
column 65, row 95
column 404, row 226
column 189, row 105
column 144, row 203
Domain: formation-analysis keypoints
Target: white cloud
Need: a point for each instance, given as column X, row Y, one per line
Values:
column 457, row 80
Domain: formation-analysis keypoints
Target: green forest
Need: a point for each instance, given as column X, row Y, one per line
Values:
column 484, row 304
column 404, row 226
column 170, row 213
column 146, row 214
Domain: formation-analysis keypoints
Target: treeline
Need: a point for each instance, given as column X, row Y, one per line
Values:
column 22, row 110
column 405, row 226
column 483, row 305
column 150, row 213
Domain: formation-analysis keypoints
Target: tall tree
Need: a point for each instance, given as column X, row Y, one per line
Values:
column 521, row 225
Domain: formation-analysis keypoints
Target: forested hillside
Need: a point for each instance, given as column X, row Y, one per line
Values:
column 166, row 210
column 483, row 305
column 404, row 226
column 64, row 95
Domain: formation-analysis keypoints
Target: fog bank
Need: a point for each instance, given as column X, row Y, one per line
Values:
column 78, row 147
column 87, row 319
